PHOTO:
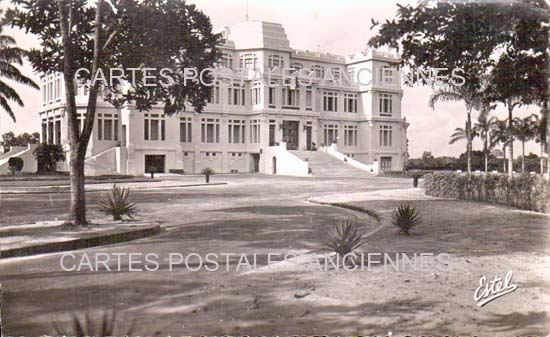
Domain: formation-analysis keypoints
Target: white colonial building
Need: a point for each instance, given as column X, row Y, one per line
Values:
column 268, row 123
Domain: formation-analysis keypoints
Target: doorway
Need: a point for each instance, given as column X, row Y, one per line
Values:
column 154, row 163
column 255, row 167
column 385, row 163
column 309, row 130
column 290, row 134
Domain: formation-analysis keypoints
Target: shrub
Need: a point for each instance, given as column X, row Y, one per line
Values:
column 116, row 203
column 525, row 191
column 207, row 172
column 88, row 326
column 15, row 164
column 343, row 238
column 405, row 217
column 47, row 156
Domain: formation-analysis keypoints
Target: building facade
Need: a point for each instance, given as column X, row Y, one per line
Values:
column 320, row 100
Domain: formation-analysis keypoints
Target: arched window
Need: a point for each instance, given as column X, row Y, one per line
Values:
column 276, row 61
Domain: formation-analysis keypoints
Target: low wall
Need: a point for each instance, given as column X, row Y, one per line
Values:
column 333, row 151
column 277, row 160
column 25, row 153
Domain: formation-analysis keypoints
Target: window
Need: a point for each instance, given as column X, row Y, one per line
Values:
column 154, row 127
column 330, row 101
column 256, row 96
column 44, row 131
column 58, row 132
column 385, row 104
column 227, row 61
column 291, row 97
column 210, row 130
column 330, row 134
column 107, row 126
column 309, row 99
column 351, row 74
column 386, row 75
column 214, row 97
column 350, row 135
column 336, row 74
column 271, row 97
column 255, row 131
column 385, row 135
column 318, row 71
column 44, row 94
column 236, row 96
column 185, row 129
column 248, row 61
column 350, row 102
column 236, row 131
column 275, row 61
column 296, row 66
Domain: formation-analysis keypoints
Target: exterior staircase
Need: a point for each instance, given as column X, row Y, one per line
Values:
column 323, row 164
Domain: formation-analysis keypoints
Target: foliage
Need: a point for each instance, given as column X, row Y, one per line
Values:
column 405, row 217
column 525, row 191
column 92, row 326
column 343, row 237
column 10, row 57
column 48, row 155
column 125, row 35
column 207, row 171
column 117, row 203
column 9, row 139
column 15, row 164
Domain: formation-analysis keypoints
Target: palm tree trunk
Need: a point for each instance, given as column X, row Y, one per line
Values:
column 504, row 159
column 523, row 156
column 486, row 150
column 469, row 142
column 511, row 145
column 542, row 158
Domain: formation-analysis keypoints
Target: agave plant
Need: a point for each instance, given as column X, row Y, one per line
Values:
column 343, row 237
column 405, row 217
column 116, row 203
column 88, row 326
column 207, row 173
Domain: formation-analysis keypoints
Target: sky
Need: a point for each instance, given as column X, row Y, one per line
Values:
column 339, row 27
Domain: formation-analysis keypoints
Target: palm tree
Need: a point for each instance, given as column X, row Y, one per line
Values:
column 462, row 134
column 540, row 137
column 483, row 128
column 10, row 56
column 472, row 100
column 500, row 134
column 524, row 130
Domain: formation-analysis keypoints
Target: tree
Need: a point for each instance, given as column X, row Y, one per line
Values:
column 524, row 130
column 124, row 34
column 504, row 42
column 483, row 128
column 472, row 100
column 500, row 134
column 47, row 157
column 540, row 137
column 464, row 134
column 15, row 164
column 9, row 139
column 10, row 57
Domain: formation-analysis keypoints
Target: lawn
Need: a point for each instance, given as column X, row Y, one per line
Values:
column 288, row 298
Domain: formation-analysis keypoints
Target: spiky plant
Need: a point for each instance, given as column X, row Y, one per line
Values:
column 207, row 173
column 405, row 217
column 343, row 237
column 91, row 326
column 116, row 203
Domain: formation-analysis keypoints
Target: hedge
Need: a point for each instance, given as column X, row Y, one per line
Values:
column 531, row 192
